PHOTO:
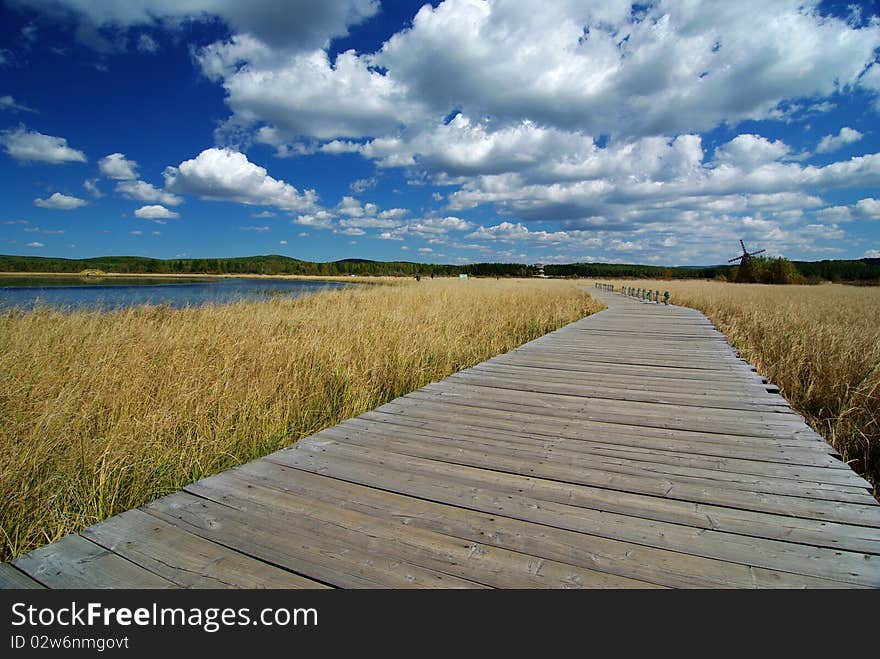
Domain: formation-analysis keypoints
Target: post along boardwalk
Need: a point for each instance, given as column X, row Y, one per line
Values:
column 630, row 449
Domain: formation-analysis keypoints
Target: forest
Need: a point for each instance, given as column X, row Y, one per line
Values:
column 866, row 270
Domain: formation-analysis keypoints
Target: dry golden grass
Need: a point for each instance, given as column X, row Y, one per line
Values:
column 820, row 344
column 101, row 412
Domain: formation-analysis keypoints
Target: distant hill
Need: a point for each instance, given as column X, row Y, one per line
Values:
column 866, row 269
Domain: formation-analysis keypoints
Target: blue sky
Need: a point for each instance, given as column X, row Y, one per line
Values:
column 462, row 131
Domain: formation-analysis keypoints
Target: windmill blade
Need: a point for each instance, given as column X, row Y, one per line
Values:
column 735, row 258
column 760, row 251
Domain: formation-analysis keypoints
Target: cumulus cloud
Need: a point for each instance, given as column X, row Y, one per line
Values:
column 672, row 68
column 31, row 146
column 750, row 150
column 846, row 136
column 35, row 244
column 143, row 191
column 308, row 95
column 117, row 166
column 290, row 24
column 60, row 202
column 227, row 175
column 155, row 212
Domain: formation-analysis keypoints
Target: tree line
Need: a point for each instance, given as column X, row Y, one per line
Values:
column 764, row 270
column 261, row 265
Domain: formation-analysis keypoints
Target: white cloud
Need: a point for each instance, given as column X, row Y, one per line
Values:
column 320, row 219
column 872, row 254
column 91, row 186
column 35, row 244
column 60, row 201
column 363, row 184
column 32, row 146
column 136, row 232
column 291, row 24
column 846, row 136
column 308, row 95
column 116, row 166
column 227, row 175
column 143, row 191
column 258, row 229
column 146, row 44
column 680, row 67
column 155, row 212
column 868, row 208
column 8, row 103
column 45, row 232
column 749, row 150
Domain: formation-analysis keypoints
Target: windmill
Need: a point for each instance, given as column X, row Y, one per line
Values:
column 744, row 274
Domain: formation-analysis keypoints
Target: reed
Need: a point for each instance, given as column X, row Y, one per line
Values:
column 102, row 412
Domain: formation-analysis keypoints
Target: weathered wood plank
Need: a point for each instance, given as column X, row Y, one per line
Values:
column 11, row 578
column 326, row 553
column 74, row 562
column 751, row 474
column 845, row 567
column 615, row 557
column 779, row 525
column 492, row 565
column 186, row 559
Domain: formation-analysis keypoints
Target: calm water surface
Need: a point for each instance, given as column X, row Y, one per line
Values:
column 117, row 292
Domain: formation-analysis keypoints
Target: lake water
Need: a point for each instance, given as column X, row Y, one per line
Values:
column 117, row 292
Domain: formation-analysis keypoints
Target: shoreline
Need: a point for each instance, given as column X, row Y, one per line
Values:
column 200, row 275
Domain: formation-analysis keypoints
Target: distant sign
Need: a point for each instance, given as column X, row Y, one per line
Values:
column 462, row 276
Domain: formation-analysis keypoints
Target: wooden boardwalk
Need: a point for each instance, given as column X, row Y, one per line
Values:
column 630, row 449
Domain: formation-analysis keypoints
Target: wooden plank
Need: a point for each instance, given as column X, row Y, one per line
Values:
column 495, row 566
column 580, row 365
column 332, row 555
column 186, row 559
column 526, row 371
column 12, row 578
column 74, row 562
column 780, row 526
column 653, row 565
column 735, row 422
column 618, row 437
column 845, row 567
column 704, row 401
column 794, row 451
column 736, row 474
